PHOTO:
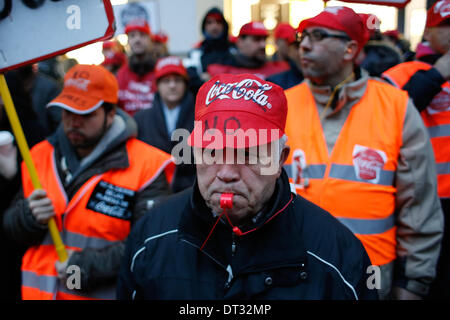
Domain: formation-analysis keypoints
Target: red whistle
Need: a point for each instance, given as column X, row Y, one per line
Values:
column 226, row 200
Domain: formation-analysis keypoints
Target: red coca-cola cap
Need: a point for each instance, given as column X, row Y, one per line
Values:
column 238, row 111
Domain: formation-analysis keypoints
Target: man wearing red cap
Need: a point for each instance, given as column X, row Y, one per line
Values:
column 251, row 54
column 428, row 85
column 285, row 37
column 114, row 54
column 239, row 232
column 360, row 151
column 173, row 109
column 97, row 179
column 214, row 48
column 160, row 40
column 136, row 78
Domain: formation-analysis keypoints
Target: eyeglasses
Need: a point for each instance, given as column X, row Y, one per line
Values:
column 317, row 35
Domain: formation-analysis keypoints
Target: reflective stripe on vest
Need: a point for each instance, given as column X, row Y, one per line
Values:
column 78, row 240
column 81, row 224
column 436, row 118
column 343, row 172
column 443, row 168
column 315, row 171
column 439, row 131
column 346, row 172
column 44, row 283
column 369, row 226
column 355, row 180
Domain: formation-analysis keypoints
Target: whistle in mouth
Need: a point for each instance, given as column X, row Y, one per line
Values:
column 226, row 200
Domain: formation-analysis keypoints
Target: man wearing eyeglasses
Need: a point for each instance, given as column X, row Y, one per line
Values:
column 361, row 152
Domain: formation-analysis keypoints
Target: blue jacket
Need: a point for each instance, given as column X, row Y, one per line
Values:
column 301, row 252
column 289, row 78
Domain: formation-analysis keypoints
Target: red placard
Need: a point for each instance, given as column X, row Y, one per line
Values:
column 393, row 3
column 34, row 50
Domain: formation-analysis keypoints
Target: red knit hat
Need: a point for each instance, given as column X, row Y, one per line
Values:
column 230, row 102
column 342, row 19
column 254, row 28
column 438, row 13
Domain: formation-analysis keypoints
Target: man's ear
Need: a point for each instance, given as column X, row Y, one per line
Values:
column 110, row 116
column 351, row 52
column 426, row 34
column 283, row 158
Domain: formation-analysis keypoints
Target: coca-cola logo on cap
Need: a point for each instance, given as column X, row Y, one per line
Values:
column 247, row 89
column 368, row 163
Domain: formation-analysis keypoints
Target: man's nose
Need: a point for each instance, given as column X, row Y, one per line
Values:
column 75, row 121
column 305, row 45
column 228, row 173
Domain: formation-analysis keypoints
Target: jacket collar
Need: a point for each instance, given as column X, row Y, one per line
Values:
column 185, row 118
column 277, row 242
column 110, row 152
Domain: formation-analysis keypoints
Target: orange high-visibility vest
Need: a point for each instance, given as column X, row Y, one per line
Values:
column 436, row 118
column 97, row 215
column 355, row 183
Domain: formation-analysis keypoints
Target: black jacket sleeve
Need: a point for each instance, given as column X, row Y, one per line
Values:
column 423, row 86
column 19, row 224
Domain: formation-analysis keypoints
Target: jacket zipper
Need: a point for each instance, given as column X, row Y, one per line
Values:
column 227, row 269
column 233, row 244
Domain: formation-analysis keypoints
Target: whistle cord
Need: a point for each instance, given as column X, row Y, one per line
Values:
column 236, row 230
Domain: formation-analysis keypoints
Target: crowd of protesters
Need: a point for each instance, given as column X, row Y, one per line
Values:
column 367, row 123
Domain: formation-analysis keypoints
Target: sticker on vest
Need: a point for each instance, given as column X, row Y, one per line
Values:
column 368, row 163
column 298, row 169
column 112, row 200
column 441, row 102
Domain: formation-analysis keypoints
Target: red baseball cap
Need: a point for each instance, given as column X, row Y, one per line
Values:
column 285, row 31
column 438, row 13
column 238, row 111
column 86, row 88
column 169, row 65
column 342, row 19
column 139, row 25
column 160, row 37
column 254, row 28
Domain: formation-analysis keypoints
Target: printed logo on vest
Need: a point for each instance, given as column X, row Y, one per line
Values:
column 298, row 166
column 112, row 200
column 441, row 102
column 368, row 163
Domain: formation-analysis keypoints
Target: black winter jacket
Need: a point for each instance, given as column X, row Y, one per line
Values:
column 289, row 78
column 300, row 253
column 152, row 130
